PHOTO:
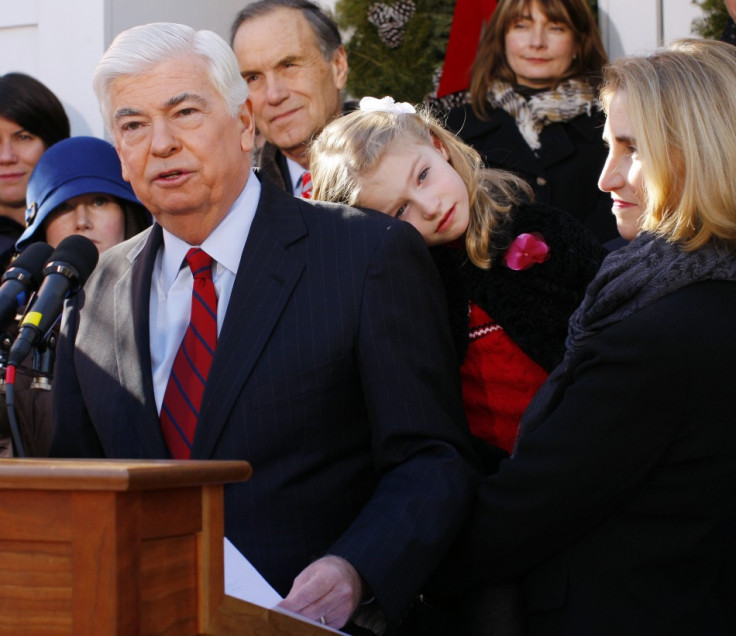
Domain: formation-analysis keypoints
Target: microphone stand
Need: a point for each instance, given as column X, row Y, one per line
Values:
column 42, row 366
column 44, row 356
column 8, row 387
column 6, row 341
column 18, row 448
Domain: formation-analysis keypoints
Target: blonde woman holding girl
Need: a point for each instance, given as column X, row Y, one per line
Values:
column 618, row 507
column 513, row 270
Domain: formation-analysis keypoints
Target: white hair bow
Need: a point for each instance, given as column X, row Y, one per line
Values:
column 385, row 105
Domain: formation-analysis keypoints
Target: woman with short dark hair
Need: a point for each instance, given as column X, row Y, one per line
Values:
column 31, row 120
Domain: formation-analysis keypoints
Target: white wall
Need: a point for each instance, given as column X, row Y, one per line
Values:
column 677, row 18
column 60, row 41
column 215, row 15
column 637, row 26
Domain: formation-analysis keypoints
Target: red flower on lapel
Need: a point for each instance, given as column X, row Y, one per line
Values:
column 527, row 249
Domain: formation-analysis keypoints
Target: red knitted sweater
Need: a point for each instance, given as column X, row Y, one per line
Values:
column 498, row 380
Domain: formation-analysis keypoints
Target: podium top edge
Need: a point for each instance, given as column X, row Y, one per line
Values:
column 117, row 474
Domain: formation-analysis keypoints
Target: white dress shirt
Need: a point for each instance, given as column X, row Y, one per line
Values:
column 171, row 283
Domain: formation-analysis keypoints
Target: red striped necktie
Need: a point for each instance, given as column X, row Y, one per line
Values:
column 183, row 396
column 306, row 184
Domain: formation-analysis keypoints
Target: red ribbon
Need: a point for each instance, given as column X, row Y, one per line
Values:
column 463, row 42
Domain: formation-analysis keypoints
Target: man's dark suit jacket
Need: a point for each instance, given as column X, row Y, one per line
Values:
column 334, row 375
column 272, row 164
column 618, row 507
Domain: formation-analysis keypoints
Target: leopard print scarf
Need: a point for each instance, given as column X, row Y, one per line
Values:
column 563, row 103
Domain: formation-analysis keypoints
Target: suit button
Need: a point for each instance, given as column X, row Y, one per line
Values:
column 541, row 181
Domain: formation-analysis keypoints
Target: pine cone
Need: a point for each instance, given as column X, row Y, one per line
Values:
column 391, row 20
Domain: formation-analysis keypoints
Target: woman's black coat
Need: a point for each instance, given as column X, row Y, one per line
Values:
column 565, row 172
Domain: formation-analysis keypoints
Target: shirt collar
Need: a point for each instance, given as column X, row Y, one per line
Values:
column 295, row 174
column 225, row 243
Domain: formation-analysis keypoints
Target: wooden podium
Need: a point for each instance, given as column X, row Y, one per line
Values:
column 110, row 547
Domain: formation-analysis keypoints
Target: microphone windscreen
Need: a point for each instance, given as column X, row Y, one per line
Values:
column 31, row 260
column 79, row 252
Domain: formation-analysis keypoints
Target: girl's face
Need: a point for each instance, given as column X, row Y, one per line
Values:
column 538, row 51
column 416, row 183
column 622, row 174
column 19, row 153
column 99, row 217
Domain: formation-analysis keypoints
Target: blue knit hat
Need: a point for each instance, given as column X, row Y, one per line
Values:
column 71, row 168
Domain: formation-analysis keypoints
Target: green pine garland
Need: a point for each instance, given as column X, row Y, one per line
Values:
column 404, row 72
column 407, row 71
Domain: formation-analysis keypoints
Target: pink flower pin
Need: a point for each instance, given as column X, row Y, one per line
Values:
column 527, row 249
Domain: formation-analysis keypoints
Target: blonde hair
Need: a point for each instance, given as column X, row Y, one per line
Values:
column 681, row 102
column 351, row 146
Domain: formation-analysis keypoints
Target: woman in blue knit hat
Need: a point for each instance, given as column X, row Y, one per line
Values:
column 77, row 187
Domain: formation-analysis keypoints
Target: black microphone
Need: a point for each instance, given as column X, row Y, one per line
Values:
column 68, row 269
column 22, row 277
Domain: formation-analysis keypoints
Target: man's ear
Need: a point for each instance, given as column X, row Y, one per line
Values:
column 340, row 67
column 248, row 126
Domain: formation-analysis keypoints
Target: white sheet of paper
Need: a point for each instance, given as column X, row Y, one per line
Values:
column 243, row 581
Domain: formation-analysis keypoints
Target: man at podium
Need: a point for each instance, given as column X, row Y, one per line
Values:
column 306, row 338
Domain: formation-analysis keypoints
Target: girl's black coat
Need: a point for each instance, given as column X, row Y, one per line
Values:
column 534, row 305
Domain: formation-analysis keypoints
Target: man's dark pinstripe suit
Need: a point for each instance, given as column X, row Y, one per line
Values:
column 334, row 375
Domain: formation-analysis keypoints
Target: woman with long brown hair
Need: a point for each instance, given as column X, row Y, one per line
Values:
column 532, row 104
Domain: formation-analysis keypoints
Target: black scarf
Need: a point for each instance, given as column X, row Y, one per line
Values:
column 639, row 274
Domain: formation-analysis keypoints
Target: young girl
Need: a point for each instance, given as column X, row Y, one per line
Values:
column 513, row 271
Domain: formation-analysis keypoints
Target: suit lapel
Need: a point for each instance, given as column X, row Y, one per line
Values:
column 132, row 343
column 268, row 271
